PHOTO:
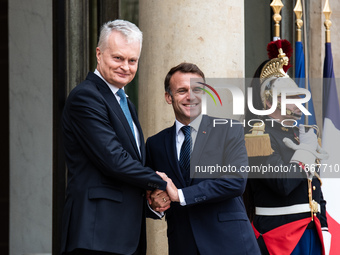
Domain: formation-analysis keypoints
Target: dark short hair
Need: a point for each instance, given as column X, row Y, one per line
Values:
column 183, row 68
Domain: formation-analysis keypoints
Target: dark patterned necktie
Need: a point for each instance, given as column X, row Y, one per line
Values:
column 184, row 157
column 125, row 108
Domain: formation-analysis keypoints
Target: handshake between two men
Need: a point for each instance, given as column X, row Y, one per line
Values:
column 210, row 216
column 160, row 200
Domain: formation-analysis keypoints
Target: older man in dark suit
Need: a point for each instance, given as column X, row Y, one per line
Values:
column 105, row 154
column 207, row 215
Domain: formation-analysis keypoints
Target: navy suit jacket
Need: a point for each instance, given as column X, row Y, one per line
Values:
column 106, row 179
column 214, row 221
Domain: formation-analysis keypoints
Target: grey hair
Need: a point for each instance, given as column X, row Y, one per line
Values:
column 131, row 32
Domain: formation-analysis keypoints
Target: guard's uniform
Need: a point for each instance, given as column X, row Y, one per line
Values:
column 280, row 194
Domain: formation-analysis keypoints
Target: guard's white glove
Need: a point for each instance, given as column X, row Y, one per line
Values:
column 308, row 150
column 326, row 241
column 309, row 139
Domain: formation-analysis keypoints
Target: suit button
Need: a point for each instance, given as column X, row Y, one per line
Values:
column 314, row 188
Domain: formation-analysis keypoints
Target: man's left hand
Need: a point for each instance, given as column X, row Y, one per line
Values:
column 158, row 200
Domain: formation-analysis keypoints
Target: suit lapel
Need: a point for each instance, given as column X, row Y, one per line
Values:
column 115, row 107
column 203, row 133
column 171, row 151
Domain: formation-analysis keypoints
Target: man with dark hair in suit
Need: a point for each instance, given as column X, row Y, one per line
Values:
column 105, row 154
column 207, row 215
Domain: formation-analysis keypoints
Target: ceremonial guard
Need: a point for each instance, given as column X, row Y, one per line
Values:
column 284, row 198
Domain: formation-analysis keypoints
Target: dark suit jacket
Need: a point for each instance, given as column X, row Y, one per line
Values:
column 104, row 207
column 214, row 220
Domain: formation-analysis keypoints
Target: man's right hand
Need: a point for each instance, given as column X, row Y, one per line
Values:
column 170, row 187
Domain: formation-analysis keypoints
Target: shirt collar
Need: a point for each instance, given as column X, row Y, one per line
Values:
column 113, row 88
column 194, row 124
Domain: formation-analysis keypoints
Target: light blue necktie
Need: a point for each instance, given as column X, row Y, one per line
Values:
column 125, row 108
column 184, row 156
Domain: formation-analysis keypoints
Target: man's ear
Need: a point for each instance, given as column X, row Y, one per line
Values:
column 98, row 52
column 168, row 98
column 268, row 104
